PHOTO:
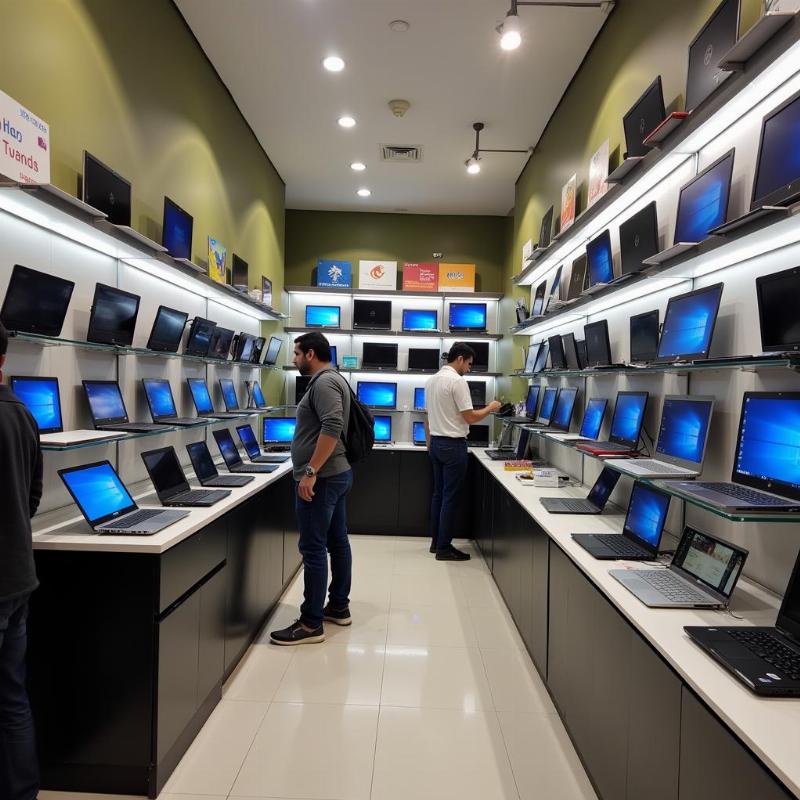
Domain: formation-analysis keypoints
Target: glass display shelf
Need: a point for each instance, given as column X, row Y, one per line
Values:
column 421, row 375
column 399, row 293
column 51, row 448
column 459, row 335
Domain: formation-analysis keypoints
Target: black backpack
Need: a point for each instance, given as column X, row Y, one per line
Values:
column 360, row 437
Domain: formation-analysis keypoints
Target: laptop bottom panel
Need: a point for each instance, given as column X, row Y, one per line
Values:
column 654, row 598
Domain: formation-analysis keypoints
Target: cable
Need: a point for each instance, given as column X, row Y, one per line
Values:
column 728, row 611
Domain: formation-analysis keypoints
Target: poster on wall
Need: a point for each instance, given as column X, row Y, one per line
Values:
column 568, row 192
column 420, row 277
column 334, row 274
column 25, row 151
column 266, row 291
column 598, row 172
column 377, row 275
column 456, row 277
column 217, row 253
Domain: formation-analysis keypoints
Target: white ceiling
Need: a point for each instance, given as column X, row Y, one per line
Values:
column 448, row 65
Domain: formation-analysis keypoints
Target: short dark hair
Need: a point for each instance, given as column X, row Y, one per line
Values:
column 460, row 349
column 3, row 340
column 315, row 341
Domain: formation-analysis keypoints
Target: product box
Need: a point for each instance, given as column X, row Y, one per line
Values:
column 420, row 277
column 598, row 172
column 380, row 275
column 568, row 201
column 456, row 277
column 349, row 362
column 217, row 254
column 334, row 274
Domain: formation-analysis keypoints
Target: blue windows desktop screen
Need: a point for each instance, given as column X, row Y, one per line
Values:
column 779, row 162
column 600, row 260
column 98, row 491
column 468, row 316
column 420, row 319
column 689, row 324
column 684, row 426
column 41, row 399
column 563, row 412
column 532, row 400
column 334, row 356
column 323, row 316
column 200, row 395
column 647, row 513
column 160, row 397
column 229, row 393
column 419, row 431
column 279, row 429
column 703, row 203
column 419, row 398
column 593, row 418
column 769, row 446
column 377, row 395
column 628, row 415
column 548, row 403
column 105, row 401
column 382, row 427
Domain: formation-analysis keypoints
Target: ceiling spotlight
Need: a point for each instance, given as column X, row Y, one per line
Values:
column 333, row 64
column 473, row 166
column 510, row 35
column 364, row 192
column 509, row 29
column 358, row 166
column 346, row 122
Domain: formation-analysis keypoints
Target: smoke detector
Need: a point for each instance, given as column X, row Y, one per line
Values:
column 399, row 107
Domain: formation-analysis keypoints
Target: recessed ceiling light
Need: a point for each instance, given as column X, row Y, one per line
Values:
column 333, row 63
column 399, row 25
column 358, row 166
column 346, row 122
column 364, row 192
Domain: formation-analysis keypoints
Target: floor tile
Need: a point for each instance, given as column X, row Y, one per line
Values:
column 370, row 624
column 479, row 589
column 434, row 754
column 494, row 627
column 212, row 762
column 258, row 674
column 543, row 759
column 338, row 740
column 444, row 590
column 435, row 677
column 334, row 673
column 417, row 624
column 514, row 681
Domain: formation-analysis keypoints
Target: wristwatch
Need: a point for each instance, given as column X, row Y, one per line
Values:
column 309, row 471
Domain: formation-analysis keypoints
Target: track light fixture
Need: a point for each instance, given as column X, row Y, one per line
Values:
column 473, row 163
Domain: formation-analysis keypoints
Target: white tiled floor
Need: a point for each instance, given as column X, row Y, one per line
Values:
column 430, row 694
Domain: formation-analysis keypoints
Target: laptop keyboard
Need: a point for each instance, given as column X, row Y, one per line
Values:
column 744, row 494
column 573, row 505
column 193, row 495
column 771, row 649
column 619, row 544
column 672, row 588
column 137, row 517
column 660, row 466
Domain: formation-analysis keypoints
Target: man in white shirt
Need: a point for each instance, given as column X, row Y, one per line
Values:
column 450, row 413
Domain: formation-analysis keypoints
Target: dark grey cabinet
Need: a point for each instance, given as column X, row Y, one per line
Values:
column 414, row 494
column 372, row 506
column 291, row 535
column 481, row 518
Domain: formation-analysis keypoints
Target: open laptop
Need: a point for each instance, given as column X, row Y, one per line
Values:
column 512, row 452
column 201, row 398
column 206, row 471
column 547, row 408
column 638, row 239
column 505, row 450
column 531, row 404
column 255, row 396
column 230, row 455
column 593, row 503
column 766, row 462
column 42, row 398
column 382, row 429
column 418, row 433
column 765, row 659
column 108, row 409
column 170, row 481
column 641, row 533
column 689, row 323
column 248, row 439
column 278, row 433
column 230, row 399
column 162, row 404
column 702, row 574
column 591, row 425
column 626, row 426
column 108, row 506
column 682, row 437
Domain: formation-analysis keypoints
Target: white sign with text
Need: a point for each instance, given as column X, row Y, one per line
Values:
column 24, row 143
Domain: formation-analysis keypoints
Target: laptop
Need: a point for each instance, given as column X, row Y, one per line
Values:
column 424, row 359
column 626, row 426
column 689, row 323
column 278, row 433
column 42, row 398
column 112, row 319
column 35, row 302
column 766, row 462
column 477, row 393
column 765, row 659
column 591, row 425
column 682, row 438
column 511, row 452
column 505, row 450
column 229, row 398
column 170, row 482
column 576, row 278
column 167, row 330
column 176, row 231
column 255, row 395
column 162, row 404
column 220, row 344
column 595, row 501
column 230, row 455
column 778, row 297
column 248, row 439
column 644, row 330
column 546, row 229
column 638, row 239
column 547, row 409
column 531, row 404
column 600, row 264
column 467, row 317
column 382, row 429
column 570, row 348
column 478, row 436
column 273, row 350
column 373, row 315
column 537, row 308
column 702, row 574
column 379, row 356
column 201, row 398
column 554, row 295
column 421, row 319
column 198, row 341
column 598, row 346
column 323, row 316
column 108, row 409
column 565, row 405
column 644, row 115
column 106, row 190
column 206, row 471
column 418, row 433
column 558, row 359
column 641, row 532
column 108, row 506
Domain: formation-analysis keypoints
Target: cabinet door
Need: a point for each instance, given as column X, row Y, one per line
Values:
column 523, row 571
column 539, row 597
column 270, row 532
column 291, row 535
column 416, row 487
column 372, row 505
column 714, row 764
column 211, row 641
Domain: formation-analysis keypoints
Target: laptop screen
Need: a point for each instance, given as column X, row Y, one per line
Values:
column 689, row 324
column 258, row 395
column 555, row 288
column 165, row 471
column 418, row 319
column 468, row 316
column 522, row 443
column 684, row 428
column 41, row 398
column 273, row 349
column 558, row 359
column 382, row 427
column 323, row 316
column 598, row 347
column 35, row 302
column 562, row 417
column 167, row 329
column 379, row 354
column 246, row 346
column 599, row 259
column 638, row 239
column 778, row 299
column 227, row 447
column 768, row 448
column 647, row 514
column 644, row 116
column 376, row 394
column 703, row 202
column 419, row 398
column 716, row 37
column 778, row 172
column 538, row 300
column 279, row 429
column 105, row 400
column 712, row 562
column 541, row 357
column 200, row 396
column 532, row 401
column 530, row 358
column 628, row 417
column 98, row 491
column 419, row 432
column 375, row 314
column 548, row 405
column 159, row 398
column 789, row 615
column 177, row 231
column 644, row 336
column 113, row 317
column 199, row 339
column 201, row 460
column 603, row 487
column 106, row 191
column 593, row 418
column 545, row 229
column 248, row 440
column 229, row 394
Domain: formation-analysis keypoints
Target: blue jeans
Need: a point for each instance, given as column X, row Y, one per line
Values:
column 323, row 530
column 449, row 460
column 19, row 769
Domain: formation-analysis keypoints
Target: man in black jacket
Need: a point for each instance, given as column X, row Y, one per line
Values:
column 20, row 493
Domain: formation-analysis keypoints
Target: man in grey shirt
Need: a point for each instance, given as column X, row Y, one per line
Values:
column 323, row 479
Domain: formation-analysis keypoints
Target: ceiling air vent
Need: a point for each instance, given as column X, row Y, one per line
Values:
column 401, row 153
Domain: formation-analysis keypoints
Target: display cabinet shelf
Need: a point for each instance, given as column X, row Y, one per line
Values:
column 494, row 337
column 767, row 26
column 399, row 293
column 423, row 375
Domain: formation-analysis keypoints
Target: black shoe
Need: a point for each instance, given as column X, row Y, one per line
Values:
column 452, row 554
column 432, row 548
column 296, row 634
column 337, row 617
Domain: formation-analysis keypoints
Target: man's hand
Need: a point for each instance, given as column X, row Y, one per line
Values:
column 494, row 406
column 306, row 488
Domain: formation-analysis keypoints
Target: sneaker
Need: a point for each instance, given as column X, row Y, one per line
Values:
column 337, row 617
column 452, row 554
column 296, row 634
column 432, row 548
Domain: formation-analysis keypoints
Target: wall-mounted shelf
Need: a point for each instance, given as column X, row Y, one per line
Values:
column 766, row 27
column 624, row 169
column 64, row 197
column 350, row 292
column 411, row 374
column 394, row 334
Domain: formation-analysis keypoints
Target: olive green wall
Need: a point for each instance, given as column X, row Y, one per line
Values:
column 352, row 236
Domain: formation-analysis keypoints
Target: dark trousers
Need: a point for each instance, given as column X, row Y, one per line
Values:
column 19, row 770
column 449, row 459
column 323, row 531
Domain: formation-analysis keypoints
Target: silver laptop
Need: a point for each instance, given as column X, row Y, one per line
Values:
column 682, row 438
column 702, row 574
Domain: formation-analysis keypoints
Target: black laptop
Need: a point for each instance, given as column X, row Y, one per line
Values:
column 170, row 481
column 108, row 409
column 230, row 455
column 162, row 404
column 248, row 439
column 595, row 501
column 206, row 470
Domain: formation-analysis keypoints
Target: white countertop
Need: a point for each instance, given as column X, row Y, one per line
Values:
column 769, row 726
